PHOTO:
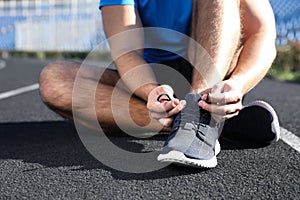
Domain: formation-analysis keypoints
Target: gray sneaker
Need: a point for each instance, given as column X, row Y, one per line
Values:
column 193, row 140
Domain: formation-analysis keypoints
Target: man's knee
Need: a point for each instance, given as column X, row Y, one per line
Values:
column 53, row 86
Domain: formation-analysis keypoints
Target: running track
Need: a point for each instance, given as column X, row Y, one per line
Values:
column 42, row 157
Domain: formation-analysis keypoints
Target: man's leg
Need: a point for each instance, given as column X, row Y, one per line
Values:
column 216, row 26
column 56, row 88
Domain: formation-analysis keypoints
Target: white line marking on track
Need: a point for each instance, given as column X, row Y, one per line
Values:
column 18, row 91
column 290, row 139
column 2, row 64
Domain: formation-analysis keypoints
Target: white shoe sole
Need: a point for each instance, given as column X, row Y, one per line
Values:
column 177, row 157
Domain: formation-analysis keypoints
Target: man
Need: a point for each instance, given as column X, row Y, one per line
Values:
column 237, row 35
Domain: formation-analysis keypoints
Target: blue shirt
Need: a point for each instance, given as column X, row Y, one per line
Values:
column 160, row 44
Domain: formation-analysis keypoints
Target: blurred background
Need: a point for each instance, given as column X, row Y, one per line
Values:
column 71, row 28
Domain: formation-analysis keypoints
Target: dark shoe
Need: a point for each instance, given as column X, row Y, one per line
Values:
column 256, row 123
column 192, row 141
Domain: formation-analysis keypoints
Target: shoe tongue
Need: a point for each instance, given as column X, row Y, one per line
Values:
column 192, row 100
column 192, row 109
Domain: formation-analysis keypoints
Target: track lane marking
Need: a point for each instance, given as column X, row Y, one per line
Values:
column 290, row 139
column 19, row 91
column 2, row 64
column 286, row 136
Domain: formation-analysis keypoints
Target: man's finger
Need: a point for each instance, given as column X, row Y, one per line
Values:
column 222, row 98
column 222, row 118
column 166, row 122
column 220, row 109
column 177, row 109
column 156, row 115
column 164, row 106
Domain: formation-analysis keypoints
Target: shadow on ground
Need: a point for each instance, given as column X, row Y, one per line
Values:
column 56, row 144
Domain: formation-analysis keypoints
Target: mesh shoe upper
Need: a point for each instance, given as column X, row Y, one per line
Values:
column 191, row 131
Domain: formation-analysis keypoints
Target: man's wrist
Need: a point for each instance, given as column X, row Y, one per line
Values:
column 146, row 89
column 239, row 82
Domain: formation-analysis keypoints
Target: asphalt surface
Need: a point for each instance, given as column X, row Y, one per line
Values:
column 42, row 157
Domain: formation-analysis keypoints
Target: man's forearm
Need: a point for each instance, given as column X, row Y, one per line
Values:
column 136, row 74
column 259, row 48
column 255, row 60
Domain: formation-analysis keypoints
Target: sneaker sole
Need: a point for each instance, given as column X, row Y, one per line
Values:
column 178, row 158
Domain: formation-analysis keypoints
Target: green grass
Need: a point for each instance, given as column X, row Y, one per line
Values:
column 101, row 55
column 286, row 75
column 286, row 66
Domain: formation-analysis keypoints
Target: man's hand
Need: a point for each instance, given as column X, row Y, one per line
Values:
column 224, row 100
column 164, row 109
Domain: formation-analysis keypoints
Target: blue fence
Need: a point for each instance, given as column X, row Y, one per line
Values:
column 52, row 25
column 7, row 30
column 287, row 15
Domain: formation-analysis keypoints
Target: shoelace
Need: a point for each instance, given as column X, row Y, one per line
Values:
column 194, row 114
column 189, row 114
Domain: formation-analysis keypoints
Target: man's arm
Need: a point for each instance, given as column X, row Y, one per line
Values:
column 259, row 48
column 255, row 60
column 121, row 26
